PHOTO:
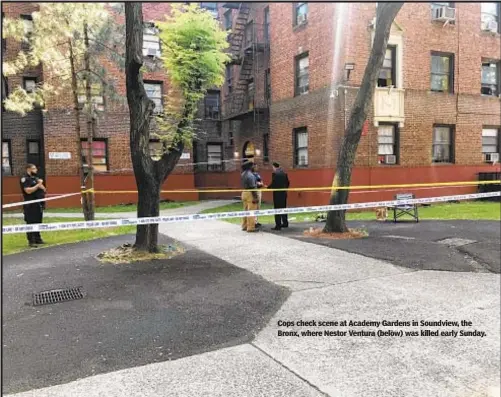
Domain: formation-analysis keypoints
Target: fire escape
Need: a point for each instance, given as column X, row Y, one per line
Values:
column 249, row 48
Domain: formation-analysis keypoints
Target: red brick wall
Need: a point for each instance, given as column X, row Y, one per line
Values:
column 324, row 116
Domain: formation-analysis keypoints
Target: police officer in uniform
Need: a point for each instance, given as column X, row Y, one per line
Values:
column 33, row 189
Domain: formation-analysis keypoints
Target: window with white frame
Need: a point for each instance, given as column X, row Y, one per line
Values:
column 302, row 74
column 387, row 140
column 490, row 140
column 151, row 40
column 301, row 147
column 443, row 144
column 387, row 74
column 6, row 158
column 490, row 16
column 490, row 78
column 215, row 157
column 154, row 92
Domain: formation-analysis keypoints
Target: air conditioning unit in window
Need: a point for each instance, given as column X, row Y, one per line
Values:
column 491, row 157
column 390, row 159
column 444, row 13
column 491, row 26
column 301, row 18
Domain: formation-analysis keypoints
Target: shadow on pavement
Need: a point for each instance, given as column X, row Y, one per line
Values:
column 133, row 314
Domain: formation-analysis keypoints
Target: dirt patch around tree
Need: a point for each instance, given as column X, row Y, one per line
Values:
column 350, row 234
column 127, row 254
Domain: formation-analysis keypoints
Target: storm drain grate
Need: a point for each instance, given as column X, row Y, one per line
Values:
column 57, row 295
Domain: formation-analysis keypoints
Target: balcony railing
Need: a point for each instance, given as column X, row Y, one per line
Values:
column 388, row 105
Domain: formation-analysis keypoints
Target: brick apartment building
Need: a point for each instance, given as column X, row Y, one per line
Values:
column 295, row 72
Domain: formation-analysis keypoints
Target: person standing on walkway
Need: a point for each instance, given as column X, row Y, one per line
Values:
column 33, row 189
column 279, row 180
column 250, row 199
column 259, row 184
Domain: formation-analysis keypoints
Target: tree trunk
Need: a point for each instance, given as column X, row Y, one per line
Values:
column 386, row 13
column 140, row 110
column 90, row 126
column 74, row 89
column 148, row 205
column 149, row 174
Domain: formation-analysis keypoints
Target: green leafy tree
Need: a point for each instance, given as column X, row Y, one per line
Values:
column 386, row 13
column 72, row 42
column 193, row 54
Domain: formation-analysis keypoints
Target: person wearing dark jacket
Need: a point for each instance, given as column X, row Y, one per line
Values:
column 279, row 180
column 33, row 189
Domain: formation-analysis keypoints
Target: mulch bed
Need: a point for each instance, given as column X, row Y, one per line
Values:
column 318, row 233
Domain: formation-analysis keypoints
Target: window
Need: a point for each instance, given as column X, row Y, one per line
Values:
column 151, row 41
column 490, row 15
column 302, row 75
column 442, row 148
column 230, row 136
column 156, row 149
column 6, row 158
column 267, row 86
column 490, row 140
column 211, row 7
column 227, row 20
column 99, row 154
column 212, row 105
column 34, row 153
column 301, row 147
column 300, row 13
column 442, row 72
column 215, row 157
column 4, row 41
column 249, row 34
column 266, row 149
column 229, row 78
column 28, row 30
column 436, row 5
column 29, row 84
column 154, row 92
column 387, row 139
column 96, row 92
column 387, row 75
column 5, row 88
column 490, row 78
column 267, row 25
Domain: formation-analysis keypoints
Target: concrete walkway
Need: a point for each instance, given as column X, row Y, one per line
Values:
column 329, row 285
column 189, row 209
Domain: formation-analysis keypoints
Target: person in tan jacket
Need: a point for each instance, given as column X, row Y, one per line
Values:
column 250, row 198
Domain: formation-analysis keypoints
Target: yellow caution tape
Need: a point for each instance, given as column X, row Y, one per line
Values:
column 305, row 189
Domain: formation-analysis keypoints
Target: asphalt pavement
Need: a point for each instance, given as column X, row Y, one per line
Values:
column 326, row 283
column 132, row 314
column 456, row 245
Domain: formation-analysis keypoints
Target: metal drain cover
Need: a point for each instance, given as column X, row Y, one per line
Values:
column 456, row 242
column 57, row 295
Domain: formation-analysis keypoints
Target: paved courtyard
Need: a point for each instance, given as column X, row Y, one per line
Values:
column 255, row 284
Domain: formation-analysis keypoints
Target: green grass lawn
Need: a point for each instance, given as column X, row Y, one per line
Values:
column 465, row 210
column 17, row 242
column 118, row 208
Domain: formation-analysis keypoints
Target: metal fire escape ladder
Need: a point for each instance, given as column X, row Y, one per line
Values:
column 236, row 38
